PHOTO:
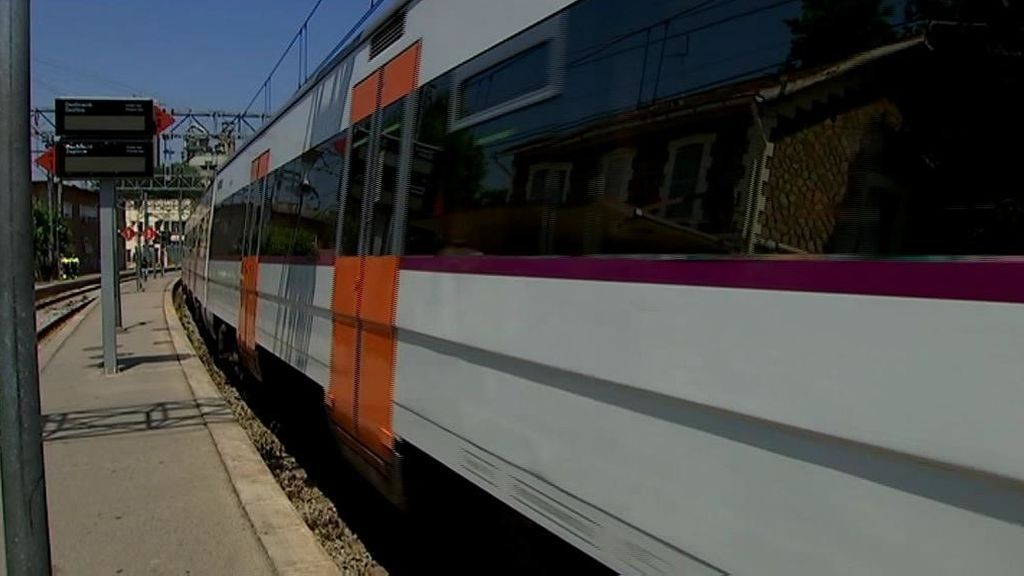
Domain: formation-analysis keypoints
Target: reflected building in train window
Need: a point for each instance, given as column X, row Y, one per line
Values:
column 748, row 127
column 826, row 162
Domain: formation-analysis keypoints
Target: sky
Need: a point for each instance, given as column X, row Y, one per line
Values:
column 199, row 54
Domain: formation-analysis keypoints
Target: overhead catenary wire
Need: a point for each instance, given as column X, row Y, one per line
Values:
column 301, row 37
column 295, row 38
column 88, row 75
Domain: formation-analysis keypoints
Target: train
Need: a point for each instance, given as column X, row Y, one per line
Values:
column 698, row 286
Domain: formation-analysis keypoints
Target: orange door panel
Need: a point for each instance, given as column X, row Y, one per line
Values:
column 363, row 350
column 344, row 342
column 249, row 305
column 365, row 96
column 377, row 353
column 401, row 75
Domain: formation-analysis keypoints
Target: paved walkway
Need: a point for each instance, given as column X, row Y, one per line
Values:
column 140, row 479
column 135, row 483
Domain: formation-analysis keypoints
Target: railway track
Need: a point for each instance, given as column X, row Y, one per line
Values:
column 54, row 312
column 56, row 303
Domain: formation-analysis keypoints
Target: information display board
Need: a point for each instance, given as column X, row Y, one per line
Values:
column 77, row 158
column 105, row 117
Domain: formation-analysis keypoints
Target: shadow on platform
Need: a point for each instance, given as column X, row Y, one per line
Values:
column 131, row 419
column 125, row 361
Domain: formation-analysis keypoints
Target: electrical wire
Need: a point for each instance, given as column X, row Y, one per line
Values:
column 97, row 78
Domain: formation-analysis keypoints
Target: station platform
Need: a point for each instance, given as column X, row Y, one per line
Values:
column 146, row 470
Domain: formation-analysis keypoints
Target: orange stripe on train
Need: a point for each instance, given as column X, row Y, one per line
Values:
column 363, row 350
column 377, row 352
column 344, row 305
column 247, row 314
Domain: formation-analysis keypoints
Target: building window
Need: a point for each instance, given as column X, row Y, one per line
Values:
column 616, row 173
column 86, row 212
column 549, row 182
column 685, row 180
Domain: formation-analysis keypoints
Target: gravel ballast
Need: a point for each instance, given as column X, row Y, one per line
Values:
column 315, row 508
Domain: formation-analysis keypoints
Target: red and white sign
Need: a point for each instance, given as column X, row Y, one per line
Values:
column 162, row 118
column 128, row 233
column 47, row 161
column 149, row 234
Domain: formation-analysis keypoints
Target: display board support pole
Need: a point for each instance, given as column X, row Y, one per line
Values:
column 108, row 275
column 117, row 268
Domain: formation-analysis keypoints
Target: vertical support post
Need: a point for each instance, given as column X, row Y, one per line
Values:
column 181, row 231
column 116, row 254
column 108, row 276
column 138, row 249
column 146, row 247
column 60, row 208
column 60, row 197
column 52, row 240
column 26, row 531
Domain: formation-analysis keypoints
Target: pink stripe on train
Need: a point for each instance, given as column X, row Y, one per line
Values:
column 981, row 278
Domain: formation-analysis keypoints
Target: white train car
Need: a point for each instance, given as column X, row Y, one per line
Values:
column 629, row 267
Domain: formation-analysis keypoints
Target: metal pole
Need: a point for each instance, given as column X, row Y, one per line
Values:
column 116, row 256
column 138, row 249
column 181, row 231
column 108, row 276
column 60, row 208
column 145, row 226
column 26, row 532
column 60, row 218
column 52, row 236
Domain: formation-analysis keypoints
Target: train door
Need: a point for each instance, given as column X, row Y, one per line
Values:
column 384, row 214
column 382, row 232
column 255, row 200
column 366, row 279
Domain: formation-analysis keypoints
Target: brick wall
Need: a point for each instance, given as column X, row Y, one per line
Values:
column 810, row 175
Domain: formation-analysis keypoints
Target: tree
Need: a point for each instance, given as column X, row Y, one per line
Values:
column 830, row 30
column 44, row 222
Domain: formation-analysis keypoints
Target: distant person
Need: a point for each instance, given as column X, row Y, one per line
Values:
column 64, row 268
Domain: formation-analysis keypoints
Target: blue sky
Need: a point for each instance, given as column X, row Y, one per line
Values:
column 184, row 53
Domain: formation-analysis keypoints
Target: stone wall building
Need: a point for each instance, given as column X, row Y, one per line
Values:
column 763, row 165
column 814, row 169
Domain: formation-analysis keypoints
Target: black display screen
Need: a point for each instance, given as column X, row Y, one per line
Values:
column 101, row 117
column 99, row 159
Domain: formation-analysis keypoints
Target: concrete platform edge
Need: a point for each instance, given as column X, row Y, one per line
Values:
column 287, row 540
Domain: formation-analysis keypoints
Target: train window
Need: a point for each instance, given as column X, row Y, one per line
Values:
column 228, row 225
column 525, row 70
column 667, row 127
column 263, row 200
column 461, row 197
column 354, row 188
column 285, row 203
column 425, row 201
column 320, row 187
column 380, row 213
column 293, row 210
column 520, row 74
